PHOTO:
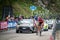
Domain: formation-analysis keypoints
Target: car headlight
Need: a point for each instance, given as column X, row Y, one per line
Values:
column 31, row 24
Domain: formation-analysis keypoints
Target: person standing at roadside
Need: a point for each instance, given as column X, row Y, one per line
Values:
column 8, row 18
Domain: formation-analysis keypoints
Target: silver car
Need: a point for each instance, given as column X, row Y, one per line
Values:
column 25, row 25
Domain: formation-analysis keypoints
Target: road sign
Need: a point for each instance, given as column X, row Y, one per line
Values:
column 33, row 8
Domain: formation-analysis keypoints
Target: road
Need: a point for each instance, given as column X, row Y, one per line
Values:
column 12, row 35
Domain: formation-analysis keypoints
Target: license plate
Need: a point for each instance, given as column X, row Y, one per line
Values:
column 24, row 28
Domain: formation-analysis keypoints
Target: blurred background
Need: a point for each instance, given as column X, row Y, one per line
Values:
column 12, row 11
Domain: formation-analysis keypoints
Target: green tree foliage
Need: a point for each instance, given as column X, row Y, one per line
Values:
column 22, row 7
column 53, row 6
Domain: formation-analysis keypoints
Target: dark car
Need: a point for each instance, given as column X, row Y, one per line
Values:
column 50, row 26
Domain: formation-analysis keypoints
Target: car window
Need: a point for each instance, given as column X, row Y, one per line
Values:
column 50, row 22
column 26, row 21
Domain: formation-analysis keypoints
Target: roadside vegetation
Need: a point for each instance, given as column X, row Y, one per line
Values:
column 22, row 7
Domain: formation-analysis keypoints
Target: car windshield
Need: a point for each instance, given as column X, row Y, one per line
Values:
column 27, row 21
column 50, row 22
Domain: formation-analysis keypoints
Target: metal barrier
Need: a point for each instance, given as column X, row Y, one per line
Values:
column 12, row 24
column 4, row 25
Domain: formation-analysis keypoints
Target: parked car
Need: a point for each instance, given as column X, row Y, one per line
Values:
column 50, row 24
column 25, row 25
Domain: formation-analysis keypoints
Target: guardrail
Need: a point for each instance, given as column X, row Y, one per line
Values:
column 4, row 25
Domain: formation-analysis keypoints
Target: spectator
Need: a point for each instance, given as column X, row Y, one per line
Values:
column 36, row 17
column 8, row 18
column 16, row 19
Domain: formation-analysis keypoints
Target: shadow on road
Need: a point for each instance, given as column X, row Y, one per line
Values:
column 26, row 33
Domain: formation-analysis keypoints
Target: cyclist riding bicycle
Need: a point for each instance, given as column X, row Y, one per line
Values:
column 40, row 25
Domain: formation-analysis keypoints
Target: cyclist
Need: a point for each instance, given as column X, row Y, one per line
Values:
column 40, row 25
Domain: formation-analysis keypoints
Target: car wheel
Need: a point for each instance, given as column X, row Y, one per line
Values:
column 17, row 31
column 20, row 31
column 45, row 29
column 32, row 31
column 49, row 27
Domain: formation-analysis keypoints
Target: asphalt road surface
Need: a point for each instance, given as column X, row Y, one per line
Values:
column 12, row 35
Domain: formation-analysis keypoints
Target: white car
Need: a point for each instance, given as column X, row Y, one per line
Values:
column 50, row 23
column 25, row 25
